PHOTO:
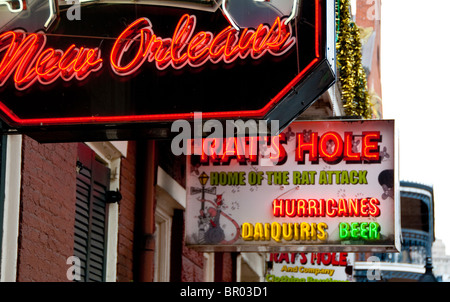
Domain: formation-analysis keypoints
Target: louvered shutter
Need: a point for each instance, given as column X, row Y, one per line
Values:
column 91, row 215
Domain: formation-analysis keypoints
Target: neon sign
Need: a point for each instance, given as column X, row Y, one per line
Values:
column 27, row 61
column 342, row 207
column 139, row 69
column 330, row 147
column 24, row 55
column 320, row 147
column 195, row 50
column 332, row 197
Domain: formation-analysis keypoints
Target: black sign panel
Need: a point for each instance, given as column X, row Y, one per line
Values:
column 127, row 71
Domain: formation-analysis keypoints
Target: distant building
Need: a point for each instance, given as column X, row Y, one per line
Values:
column 414, row 261
column 441, row 261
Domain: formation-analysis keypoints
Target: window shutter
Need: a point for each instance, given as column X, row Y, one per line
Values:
column 91, row 215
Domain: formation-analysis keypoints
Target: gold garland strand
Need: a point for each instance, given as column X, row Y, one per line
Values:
column 352, row 77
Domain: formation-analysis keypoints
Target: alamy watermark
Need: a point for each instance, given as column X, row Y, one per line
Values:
column 374, row 270
column 374, row 11
column 215, row 138
column 74, row 271
column 74, row 11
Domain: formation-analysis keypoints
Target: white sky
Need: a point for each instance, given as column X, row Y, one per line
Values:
column 415, row 51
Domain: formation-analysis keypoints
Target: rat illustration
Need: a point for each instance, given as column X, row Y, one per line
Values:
column 386, row 180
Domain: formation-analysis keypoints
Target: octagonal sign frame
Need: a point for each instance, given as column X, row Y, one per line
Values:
column 18, row 107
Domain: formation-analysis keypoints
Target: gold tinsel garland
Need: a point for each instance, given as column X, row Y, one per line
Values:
column 352, row 76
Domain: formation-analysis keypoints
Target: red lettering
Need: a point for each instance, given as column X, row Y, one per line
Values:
column 334, row 261
column 312, row 208
column 354, row 207
column 47, row 65
column 343, row 259
column 279, row 155
column 274, row 257
column 253, row 148
column 303, row 259
column 283, row 257
column 198, row 48
column 326, row 207
column 322, row 206
column 302, row 208
column 342, row 207
column 349, row 155
column 309, row 146
column 326, row 258
column 291, row 205
column 374, row 209
column 181, row 35
column 293, row 257
column 211, row 148
column 234, row 147
column 139, row 30
column 331, row 211
column 186, row 48
column 217, row 47
column 278, row 208
column 242, row 149
column 364, row 207
column 25, row 57
column 331, row 146
column 370, row 149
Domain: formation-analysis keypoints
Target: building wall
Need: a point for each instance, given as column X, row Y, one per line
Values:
column 368, row 19
column 127, row 209
column 47, row 218
column 368, row 15
column 189, row 264
column 441, row 261
column 47, row 214
column 192, row 265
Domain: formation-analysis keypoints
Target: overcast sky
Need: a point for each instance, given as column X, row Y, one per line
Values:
column 415, row 49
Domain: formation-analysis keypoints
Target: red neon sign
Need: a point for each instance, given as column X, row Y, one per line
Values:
column 331, row 147
column 186, row 48
column 26, row 61
column 222, row 150
column 26, row 54
column 342, row 207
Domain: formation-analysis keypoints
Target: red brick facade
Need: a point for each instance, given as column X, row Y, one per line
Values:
column 47, row 218
column 47, row 214
column 127, row 215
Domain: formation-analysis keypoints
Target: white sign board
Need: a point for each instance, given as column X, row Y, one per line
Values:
column 319, row 186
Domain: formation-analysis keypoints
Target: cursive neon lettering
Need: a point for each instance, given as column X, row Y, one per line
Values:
column 25, row 57
column 186, row 47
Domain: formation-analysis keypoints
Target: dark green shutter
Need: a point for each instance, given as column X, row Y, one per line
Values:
column 91, row 215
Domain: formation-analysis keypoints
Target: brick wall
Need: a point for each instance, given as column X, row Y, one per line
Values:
column 224, row 268
column 127, row 215
column 47, row 218
column 192, row 265
column 47, row 214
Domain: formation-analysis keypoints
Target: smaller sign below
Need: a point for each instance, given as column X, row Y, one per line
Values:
column 310, row 267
